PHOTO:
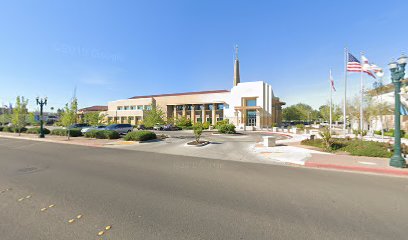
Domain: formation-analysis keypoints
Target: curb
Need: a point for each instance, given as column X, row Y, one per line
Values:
column 357, row 168
column 50, row 141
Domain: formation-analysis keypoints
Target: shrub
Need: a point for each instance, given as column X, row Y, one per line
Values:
column 183, row 122
column 206, row 125
column 368, row 148
column 1, row 128
column 300, row 126
column 109, row 134
column 75, row 132
column 37, row 130
column 226, row 128
column 390, row 133
column 140, row 136
column 8, row 129
column 377, row 132
column 220, row 123
column 198, row 130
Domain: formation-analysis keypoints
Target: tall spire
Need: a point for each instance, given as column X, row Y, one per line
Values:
column 237, row 78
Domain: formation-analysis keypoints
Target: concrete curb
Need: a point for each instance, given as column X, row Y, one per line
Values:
column 357, row 168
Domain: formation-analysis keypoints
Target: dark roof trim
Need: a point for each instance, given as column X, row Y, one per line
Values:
column 94, row 108
column 180, row 94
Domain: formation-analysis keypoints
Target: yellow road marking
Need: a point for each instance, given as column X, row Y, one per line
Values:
column 29, row 196
column 101, row 233
column 108, row 227
column 21, row 199
column 52, row 205
column 43, row 209
column 71, row 220
column 79, row 216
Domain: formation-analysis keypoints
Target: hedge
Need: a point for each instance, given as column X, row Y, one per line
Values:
column 14, row 129
column 226, row 128
column 354, row 147
column 37, row 130
column 102, row 134
column 75, row 132
column 140, row 136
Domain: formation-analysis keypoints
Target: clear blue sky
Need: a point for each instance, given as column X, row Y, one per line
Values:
column 117, row 49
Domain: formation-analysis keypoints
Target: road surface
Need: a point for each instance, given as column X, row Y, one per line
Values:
column 145, row 195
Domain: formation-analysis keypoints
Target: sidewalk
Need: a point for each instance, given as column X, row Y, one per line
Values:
column 354, row 163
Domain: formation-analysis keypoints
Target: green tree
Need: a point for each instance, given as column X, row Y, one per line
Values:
column 93, row 118
column 298, row 112
column 198, row 130
column 324, row 112
column 69, row 115
column 183, row 121
column 19, row 118
column 153, row 117
column 31, row 119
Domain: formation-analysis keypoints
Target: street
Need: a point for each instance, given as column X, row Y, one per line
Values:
column 148, row 195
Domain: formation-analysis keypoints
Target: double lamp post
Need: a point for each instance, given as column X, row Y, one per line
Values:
column 397, row 75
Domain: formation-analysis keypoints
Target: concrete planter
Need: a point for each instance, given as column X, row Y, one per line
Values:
column 269, row 141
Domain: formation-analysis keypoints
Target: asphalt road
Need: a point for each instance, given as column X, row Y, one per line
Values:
column 145, row 195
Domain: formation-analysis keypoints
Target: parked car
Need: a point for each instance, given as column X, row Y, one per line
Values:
column 79, row 125
column 120, row 128
column 87, row 129
column 141, row 127
column 158, row 127
column 171, row 127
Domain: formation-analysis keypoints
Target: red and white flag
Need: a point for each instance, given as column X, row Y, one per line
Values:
column 332, row 81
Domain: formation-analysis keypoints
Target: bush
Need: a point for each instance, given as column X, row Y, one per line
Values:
column 37, row 130
column 102, row 134
column 354, row 147
column 227, row 129
column 1, row 128
column 390, row 133
column 220, row 123
column 300, row 126
column 198, row 130
column 206, row 125
column 75, row 132
column 7, row 129
column 183, row 122
column 368, row 148
column 140, row 136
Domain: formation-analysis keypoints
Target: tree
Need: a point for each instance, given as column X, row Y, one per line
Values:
column 93, row 118
column 153, row 117
column 31, row 119
column 19, row 118
column 324, row 112
column 198, row 130
column 68, row 116
column 298, row 112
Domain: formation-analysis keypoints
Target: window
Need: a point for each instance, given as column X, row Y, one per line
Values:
column 199, row 120
column 209, row 120
column 126, row 107
column 210, row 106
column 148, row 107
column 201, row 107
column 119, row 107
column 220, row 119
column 226, row 106
column 251, row 102
column 179, row 107
column 132, row 107
column 220, row 106
column 188, row 107
column 139, row 107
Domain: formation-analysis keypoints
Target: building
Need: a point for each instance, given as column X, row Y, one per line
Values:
column 94, row 109
column 385, row 95
column 250, row 104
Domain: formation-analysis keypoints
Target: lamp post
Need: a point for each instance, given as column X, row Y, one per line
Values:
column 41, row 102
column 397, row 74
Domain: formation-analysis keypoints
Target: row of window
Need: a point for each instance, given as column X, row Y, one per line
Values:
column 138, row 107
column 201, row 107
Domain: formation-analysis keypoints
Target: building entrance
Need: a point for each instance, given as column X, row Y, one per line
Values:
column 251, row 118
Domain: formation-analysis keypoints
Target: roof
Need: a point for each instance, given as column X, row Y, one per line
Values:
column 385, row 89
column 94, row 109
column 180, row 94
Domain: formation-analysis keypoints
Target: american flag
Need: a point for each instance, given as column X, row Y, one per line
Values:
column 353, row 65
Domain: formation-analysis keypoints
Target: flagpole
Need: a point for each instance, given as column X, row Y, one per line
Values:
column 331, row 99
column 361, row 96
column 345, row 91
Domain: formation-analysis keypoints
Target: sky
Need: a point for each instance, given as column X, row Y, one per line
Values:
column 110, row 50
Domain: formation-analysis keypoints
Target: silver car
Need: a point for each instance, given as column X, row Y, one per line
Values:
column 120, row 128
column 87, row 129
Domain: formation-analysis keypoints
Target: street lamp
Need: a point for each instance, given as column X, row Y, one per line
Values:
column 397, row 74
column 41, row 102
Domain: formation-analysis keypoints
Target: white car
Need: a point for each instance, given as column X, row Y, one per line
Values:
column 87, row 129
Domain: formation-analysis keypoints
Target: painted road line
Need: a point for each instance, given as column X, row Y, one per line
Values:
column 368, row 163
column 102, row 232
column 79, row 216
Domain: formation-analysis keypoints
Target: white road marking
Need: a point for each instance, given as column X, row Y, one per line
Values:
column 368, row 163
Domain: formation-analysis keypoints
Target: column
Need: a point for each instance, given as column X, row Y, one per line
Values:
column 203, row 114
column 184, row 110
column 193, row 114
column 175, row 112
column 213, row 114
